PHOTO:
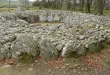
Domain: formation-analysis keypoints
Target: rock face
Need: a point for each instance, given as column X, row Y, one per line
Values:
column 2, row 52
column 76, row 34
column 7, row 38
column 67, row 49
column 56, row 18
column 47, row 50
column 73, row 47
column 50, row 18
column 24, row 44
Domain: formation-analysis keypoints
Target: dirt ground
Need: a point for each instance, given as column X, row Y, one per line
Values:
column 42, row 69
column 45, row 68
column 91, row 64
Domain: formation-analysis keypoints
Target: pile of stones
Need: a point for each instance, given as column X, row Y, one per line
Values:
column 75, row 34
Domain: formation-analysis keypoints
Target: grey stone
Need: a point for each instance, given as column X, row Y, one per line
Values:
column 81, row 37
column 81, row 50
column 8, row 38
column 47, row 49
column 56, row 18
column 24, row 44
column 88, row 28
column 60, row 47
column 68, row 49
column 4, row 54
column 43, row 18
column 94, row 47
column 50, row 18
column 22, row 23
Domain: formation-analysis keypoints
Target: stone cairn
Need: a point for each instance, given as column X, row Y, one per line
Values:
column 76, row 33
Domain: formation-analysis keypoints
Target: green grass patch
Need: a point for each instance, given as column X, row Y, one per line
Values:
column 6, row 9
column 6, row 3
column 33, row 8
column 105, row 12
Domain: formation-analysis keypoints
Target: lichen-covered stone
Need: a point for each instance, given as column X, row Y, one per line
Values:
column 47, row 49
column 24, row 44
column 94, row 47
column 69, row 48
column 4, row 53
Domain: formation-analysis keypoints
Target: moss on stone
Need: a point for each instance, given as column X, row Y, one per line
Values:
column 94, row 47
column 108, row 42
column 25, row 58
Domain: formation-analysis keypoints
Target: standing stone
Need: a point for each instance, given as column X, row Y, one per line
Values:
column 67, row 19
column 60, row 47
column 56, row 18
column 20, row 9
column 47, row 49
column 43, row 18
column 24, row 45
column 50, row 18
column 69, row 48
column 81, row 49
column 94, row 47
column 3, row 52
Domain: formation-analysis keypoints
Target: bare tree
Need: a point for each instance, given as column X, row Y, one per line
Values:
column 9, row 5
column 100, row 6
column 81, row 4
column 65, row 4
column 88, row 6
column 74, row 4
column 24, row 3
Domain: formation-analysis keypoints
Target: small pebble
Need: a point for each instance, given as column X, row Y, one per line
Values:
column 6, row 66
column 30, row 69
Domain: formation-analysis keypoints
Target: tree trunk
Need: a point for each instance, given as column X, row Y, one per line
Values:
column 9, row 5
column 24, row 3
column 43, row 3
column 74, row 4
column 65, row 4
column 81, row 5
column 58, row 4
column 88, row 6
column 100, row 6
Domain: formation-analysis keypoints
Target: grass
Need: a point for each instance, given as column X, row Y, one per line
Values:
column 6, row 3
column 106, row 12
column 6, row 9
column 33, row 8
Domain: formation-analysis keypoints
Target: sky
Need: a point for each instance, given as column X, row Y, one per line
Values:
column 17, row 0
column 31, row 0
